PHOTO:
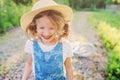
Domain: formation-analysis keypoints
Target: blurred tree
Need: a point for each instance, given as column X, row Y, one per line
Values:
column 23, row 1
column 34, row 1
column 74, row 4
column 93, row 4
column 115, row 1
column 71, row 3
column 112, row 1
column 100, row 4
column 6, row 15
column 10, row 14
column 66, row 2
column 109, row 1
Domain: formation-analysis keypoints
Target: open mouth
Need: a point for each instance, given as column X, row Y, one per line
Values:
column 46, row 37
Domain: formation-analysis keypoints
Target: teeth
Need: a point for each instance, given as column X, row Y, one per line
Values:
column 46, row 37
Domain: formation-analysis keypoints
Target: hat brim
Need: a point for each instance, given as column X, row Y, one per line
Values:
column 27, row 18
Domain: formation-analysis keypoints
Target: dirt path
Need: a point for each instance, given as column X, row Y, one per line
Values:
column 90, row 68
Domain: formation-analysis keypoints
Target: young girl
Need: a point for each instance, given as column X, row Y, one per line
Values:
column 49, row 53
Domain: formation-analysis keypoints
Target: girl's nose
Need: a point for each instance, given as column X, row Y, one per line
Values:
column 46, row 32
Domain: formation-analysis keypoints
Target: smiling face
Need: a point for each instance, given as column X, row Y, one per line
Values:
column 49, row 26
column 46, row 30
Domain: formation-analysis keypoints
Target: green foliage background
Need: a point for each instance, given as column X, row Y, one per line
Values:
column 11, row 10
column 10, row 14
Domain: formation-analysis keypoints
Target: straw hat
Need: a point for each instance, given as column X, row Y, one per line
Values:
column 43, row 5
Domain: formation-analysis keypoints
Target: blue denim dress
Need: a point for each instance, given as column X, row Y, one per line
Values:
column 48, row 65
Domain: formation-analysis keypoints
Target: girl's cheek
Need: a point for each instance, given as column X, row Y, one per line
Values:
column 53, row 31
column 39, row 30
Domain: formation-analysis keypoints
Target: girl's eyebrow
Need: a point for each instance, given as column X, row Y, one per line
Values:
column 41, row 26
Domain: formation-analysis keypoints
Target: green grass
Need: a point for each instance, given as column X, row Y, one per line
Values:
column 109, row 17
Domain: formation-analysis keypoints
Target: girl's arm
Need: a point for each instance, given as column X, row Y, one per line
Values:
column 28, row 68
column 69, row 68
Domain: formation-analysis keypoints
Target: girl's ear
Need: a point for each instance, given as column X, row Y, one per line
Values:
column 56, row 35
column 65, row 28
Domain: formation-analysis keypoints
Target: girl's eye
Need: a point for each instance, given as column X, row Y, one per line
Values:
column 51, row 28
column 41, row 27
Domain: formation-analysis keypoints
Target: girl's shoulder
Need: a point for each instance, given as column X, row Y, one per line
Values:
column 29, row 42
column 65, row 42
column 29, row 46
column 67, row 48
